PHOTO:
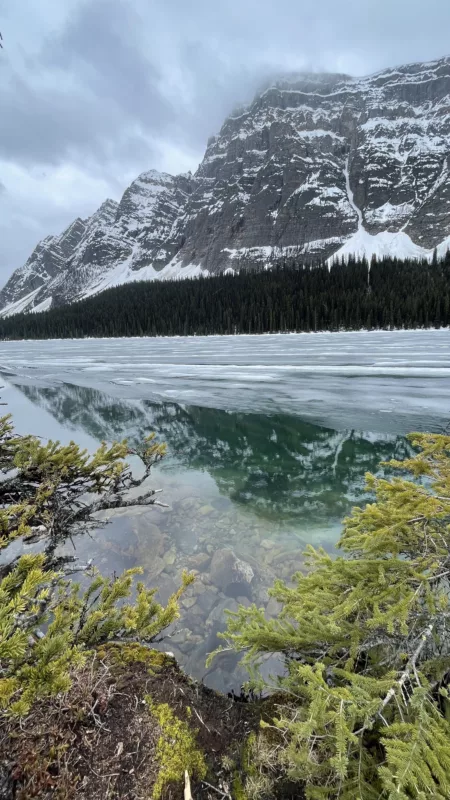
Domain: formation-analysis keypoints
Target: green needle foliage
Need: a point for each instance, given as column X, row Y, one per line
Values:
column 51, row 490
column 34, row 664
column 363, row 708
column 48, row 624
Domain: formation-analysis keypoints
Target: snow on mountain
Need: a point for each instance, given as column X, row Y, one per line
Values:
column 318, row 166
column 385, row 243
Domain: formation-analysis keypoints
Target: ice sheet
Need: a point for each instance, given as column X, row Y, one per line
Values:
column 383, row 380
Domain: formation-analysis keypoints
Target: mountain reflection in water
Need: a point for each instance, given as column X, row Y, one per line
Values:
column 278, row 465
column 262, row 486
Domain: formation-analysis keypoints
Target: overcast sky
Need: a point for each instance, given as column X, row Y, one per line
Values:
column 93, row 92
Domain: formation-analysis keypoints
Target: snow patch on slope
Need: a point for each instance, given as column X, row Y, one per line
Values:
column 388, row 213
column 443, row 248
column 124, row 273
column 44, row 306
column 363, row 244
column 396, row 245
column 19, row 305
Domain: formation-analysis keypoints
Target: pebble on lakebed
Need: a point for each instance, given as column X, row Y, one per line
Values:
column 234, row 564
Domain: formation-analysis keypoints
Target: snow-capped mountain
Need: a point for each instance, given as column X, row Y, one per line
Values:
column 121, row 242
column 317, row 165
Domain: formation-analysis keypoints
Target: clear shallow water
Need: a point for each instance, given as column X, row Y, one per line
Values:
column 269, row 440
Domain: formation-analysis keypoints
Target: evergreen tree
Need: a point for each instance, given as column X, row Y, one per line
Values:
column 363, row 709
column 47, row 624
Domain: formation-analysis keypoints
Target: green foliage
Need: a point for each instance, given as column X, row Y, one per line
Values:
column 363, row 706
column 292, row 295
column 48, row 624
column 45, row 485
column 34, row 664
column 176, row 751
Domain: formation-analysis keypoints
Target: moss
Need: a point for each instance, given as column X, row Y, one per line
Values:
column 176, row 750
column 238, row 788
column 133, row 653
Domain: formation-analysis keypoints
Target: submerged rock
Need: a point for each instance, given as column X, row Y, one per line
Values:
column 206, row 510
column 267, row 544
column 218, row 615
column 273, row 607
column 232, row 575
column 198, row 561
column 188, row 602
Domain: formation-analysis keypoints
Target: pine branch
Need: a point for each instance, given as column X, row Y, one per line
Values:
column 400, row 683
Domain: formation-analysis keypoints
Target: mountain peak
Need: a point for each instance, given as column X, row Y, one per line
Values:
column 109, row 204
column 154, row 176
column 106, row 213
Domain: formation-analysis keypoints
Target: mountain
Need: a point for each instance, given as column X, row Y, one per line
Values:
column 318, row 166
column 121, row 242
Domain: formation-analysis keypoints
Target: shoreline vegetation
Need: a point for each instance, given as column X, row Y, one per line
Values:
column 89, row 709
column 289, row 297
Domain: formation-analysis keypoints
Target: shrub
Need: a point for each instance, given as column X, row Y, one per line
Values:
column 362, row 709
column 47, row 624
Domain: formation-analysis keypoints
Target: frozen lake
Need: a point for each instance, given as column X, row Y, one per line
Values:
column 269, row 439
column 382, row 380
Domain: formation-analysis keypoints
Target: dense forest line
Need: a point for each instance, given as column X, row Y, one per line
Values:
column 295, row 297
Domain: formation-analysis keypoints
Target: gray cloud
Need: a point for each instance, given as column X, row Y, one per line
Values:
column 94, row 91
column 98, row 45
column 83, row 93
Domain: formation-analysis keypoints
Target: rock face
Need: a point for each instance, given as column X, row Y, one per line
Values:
column 316, row 165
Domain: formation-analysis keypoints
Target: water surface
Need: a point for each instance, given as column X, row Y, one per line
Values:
column 269, row 439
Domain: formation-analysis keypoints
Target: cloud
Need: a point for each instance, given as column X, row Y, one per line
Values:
column 99, row 46
column 95, row 91
column 85, row 92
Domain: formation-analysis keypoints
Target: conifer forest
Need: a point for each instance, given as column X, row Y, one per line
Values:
column 290, row 296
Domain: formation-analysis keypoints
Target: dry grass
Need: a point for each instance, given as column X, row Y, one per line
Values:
column 98, row 741
column 89, row 743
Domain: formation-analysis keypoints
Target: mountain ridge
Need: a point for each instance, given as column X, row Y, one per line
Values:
column 361, row 166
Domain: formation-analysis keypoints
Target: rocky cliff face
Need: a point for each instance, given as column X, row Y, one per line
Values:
column 317, row 165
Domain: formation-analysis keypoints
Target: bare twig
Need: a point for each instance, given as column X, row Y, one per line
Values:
column 200, row 719
column 215, row 789
column 187, row 786
column 400, row 683
column 409, row 667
